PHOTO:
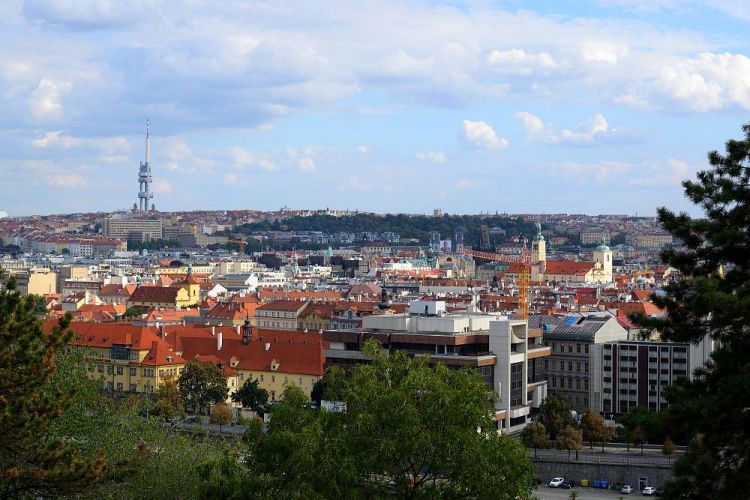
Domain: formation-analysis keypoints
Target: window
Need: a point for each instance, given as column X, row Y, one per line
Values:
column 586, row 367
column 132, row 388
column 109, row 369
column 100, row 368
column 570, row 366
column 570, row 347
column 578, row 383
column 109, row 386
column 273, row 378
column 562, row 347
column 132, row 371
column 546, row 364
column 578, row 366
column 578, row 348
column 119, row 386
column 570, row 383
column 586, row 384
column 119, row 370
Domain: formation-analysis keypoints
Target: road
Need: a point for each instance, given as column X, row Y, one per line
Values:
column 545, row 493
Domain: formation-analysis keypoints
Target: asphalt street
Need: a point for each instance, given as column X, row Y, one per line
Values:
column 544, row 493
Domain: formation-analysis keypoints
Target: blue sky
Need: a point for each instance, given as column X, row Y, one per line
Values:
column 599, row 106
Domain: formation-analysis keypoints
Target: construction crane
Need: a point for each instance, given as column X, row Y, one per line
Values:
column 241, row 241
column 524, row 274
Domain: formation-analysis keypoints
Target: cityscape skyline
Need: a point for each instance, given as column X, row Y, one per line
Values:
column 595, row 106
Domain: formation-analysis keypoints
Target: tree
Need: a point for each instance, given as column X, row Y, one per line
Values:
column 554, row 413
column 569, row 439
column 221, row 414
column 202, row 384
column 251, row 395
column 32, row 461
column 712, row 299
column 408, row 429
column 535, row 436
column 649, row 422
column 595, row 429
column 638, row 437
column 669, row 447
column 330, row 386
column 167, row 401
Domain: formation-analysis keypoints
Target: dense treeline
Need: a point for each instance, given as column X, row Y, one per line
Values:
column 407, row 226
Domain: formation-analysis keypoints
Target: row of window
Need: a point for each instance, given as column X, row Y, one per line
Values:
column 570, row 347
column 553, row 381
column 133, row 371
column 562, row 365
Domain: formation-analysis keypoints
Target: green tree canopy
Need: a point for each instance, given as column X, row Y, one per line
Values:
column 167, row 402
column 202, row 384
column 535, row 436
column 408, row 429
column 569, row 438
column 251, row 395
column 595, row 429
column 32, row 461
column 554, row 414
column 712, row 300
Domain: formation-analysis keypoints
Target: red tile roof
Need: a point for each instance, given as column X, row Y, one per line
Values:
column 155, row 294
column 569, row 268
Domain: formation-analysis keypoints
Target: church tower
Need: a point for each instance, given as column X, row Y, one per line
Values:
column 538, row 247
column 603, row 255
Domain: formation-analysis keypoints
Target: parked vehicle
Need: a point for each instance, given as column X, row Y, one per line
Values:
column 649, row 491
column 556, row 482
column 626, row 489
column 568, row 485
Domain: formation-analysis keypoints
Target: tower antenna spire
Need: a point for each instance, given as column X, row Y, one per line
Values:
column 145, row 195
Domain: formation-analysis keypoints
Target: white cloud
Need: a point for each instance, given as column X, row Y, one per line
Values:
column 306, row 164
column 241, row 156
column 162, row 186
column 363, row 150
column 66, row 181
column 603, row 52
column 670, row 173
column 520, row 62
column 432, row 156
column 46, row 100
column 110, row 146
column 229, row 179
column 585, row 132
column 585, row 173
column 708, row 82
column 481, row 135
column 86, row 14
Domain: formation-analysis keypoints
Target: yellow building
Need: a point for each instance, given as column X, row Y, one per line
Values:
column 126, row 358
column 177, row 296
column 274, row 358
column 37, row 281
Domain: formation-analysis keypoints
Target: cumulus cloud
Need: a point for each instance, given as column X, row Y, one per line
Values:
column 46, row 100
column 585, row 132
column 481, row 135
column 670, row 173
column 306, row 164
column 86, row 14
column 111, row 146
column 162, row 186
column 708, row 82
column 363, row 150
column 518, row 61
column 66, row 181
column 432, row 156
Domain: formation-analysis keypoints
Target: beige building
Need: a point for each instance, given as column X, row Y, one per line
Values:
column 72, row 272
column 37, row 281
column 132, row 228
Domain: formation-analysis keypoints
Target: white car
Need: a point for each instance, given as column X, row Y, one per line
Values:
column 627, row 489
column 649, row 491
column 556, row 482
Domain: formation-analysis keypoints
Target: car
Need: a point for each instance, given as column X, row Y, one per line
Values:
column 626, row 489
column 649, row 491
column 556, row 482
column 568, row 485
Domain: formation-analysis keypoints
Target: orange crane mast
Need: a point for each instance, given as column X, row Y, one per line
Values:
column 524, row 274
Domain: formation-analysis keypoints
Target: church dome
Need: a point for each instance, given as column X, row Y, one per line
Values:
column 603, row 248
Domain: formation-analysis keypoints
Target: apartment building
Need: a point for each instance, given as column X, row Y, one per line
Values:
column 506, row 353
column 279, row 315
column 570, row 338
column 37, row 281
column 630, row 373
column 132, row 228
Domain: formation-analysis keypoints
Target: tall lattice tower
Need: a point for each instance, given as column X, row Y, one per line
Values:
column 145, row 195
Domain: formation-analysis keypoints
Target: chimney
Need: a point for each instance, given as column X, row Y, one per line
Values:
column 219, row 340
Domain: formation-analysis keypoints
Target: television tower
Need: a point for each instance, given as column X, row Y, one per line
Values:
column 144, row 175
